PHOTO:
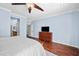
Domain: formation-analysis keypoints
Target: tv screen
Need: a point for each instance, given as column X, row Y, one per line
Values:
column 45, row 29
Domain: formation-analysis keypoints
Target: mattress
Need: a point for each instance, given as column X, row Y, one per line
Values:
column 18, row 46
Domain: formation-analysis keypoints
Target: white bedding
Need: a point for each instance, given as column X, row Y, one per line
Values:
column 20, row 47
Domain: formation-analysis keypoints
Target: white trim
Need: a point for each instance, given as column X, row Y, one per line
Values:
column 66, row 44
column 5, row 9
column 8, row 10
column 56, row 14
column 16, row 14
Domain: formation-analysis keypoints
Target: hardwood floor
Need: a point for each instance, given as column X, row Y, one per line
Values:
column 59, row 49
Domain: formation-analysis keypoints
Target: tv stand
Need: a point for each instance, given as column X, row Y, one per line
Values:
column 45, row 36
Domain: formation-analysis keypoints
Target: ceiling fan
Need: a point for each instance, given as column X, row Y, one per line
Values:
column 30, row 6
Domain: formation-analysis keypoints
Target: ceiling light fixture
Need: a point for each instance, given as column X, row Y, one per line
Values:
column 30, row 6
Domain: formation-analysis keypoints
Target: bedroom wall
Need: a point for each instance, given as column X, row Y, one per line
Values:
column 23, row 24
column 65, row 28
column 4, row 23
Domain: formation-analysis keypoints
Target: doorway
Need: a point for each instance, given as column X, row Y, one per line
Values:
column 15, row 26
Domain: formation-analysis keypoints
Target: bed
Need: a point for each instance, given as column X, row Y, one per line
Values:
column 18, row 46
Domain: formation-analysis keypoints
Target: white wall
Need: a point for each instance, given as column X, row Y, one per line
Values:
column 23, row 24
column 65, row 28
column 23, row 27
column 4, row 23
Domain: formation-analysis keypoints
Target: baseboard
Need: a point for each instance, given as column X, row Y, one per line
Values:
column 67, row 44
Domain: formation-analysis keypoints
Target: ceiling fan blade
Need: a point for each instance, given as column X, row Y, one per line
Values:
column 29, row 9
column 36, row 6
column 18, row 3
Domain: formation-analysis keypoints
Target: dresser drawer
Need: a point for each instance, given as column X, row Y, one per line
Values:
column 45, row 36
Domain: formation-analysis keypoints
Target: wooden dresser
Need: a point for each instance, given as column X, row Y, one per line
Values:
column 45, row 36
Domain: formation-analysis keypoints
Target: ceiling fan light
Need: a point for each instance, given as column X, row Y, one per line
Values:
column 30, row 5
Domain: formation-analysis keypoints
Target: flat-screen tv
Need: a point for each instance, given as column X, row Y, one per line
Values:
column 45, row 29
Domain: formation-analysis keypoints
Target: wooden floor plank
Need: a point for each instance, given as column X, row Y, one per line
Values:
column 59, row 49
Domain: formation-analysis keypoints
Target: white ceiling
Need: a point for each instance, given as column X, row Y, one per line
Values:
column 50, row 9
column 19, row 9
